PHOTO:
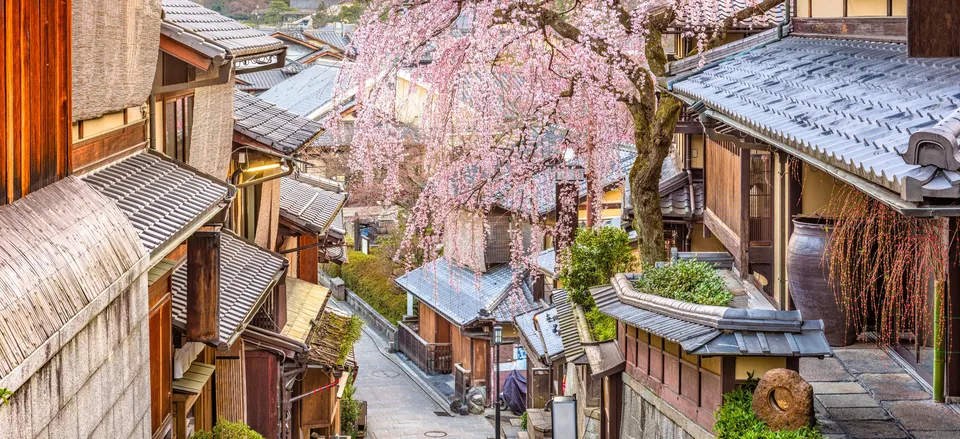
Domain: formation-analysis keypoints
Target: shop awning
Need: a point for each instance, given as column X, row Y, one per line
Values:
column 194, row 378
column 305, row 304
column 605, row 358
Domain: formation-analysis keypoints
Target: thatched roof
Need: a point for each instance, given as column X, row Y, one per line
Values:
column 213, row 34
column 61, row 248
column 325, row 342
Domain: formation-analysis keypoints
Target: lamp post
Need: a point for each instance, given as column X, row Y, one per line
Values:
column 497, row 341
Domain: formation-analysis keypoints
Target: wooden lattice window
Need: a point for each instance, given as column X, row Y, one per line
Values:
column 761, row 198
column 177, row 127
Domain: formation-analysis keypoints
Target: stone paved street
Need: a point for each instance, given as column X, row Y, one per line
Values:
column 398, row 408
column 864, row 393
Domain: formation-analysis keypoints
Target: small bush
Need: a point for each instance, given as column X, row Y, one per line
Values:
column 228, row 430
column 523, row 422
column 735, row 419
column 602, row 326
column 349, row 410
column 371, row 277
column 689, row 281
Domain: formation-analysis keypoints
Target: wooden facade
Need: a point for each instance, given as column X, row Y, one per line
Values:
column 318, row 413
column 263, row 390
column 231, row 384
column 727, row 167
column 203, row 287
column 35, row 108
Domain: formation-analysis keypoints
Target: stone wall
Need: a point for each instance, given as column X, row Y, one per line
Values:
column 373, row 319
column 211, row 142
column 97, row 385
column 647, row 416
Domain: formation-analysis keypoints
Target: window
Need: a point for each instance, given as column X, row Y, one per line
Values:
column 177, row 127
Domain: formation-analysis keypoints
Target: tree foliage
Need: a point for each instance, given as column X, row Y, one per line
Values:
column 595, row 256
column 512, row 85
column 274, row 11
column 735, row 419
column 371, row 277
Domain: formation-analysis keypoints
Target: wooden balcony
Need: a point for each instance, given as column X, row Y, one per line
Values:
column 429, row 357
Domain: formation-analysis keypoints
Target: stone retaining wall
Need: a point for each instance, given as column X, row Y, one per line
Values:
column 647, row 416
column 376, row 321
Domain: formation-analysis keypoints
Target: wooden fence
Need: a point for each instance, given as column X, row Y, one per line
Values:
column 429, row 357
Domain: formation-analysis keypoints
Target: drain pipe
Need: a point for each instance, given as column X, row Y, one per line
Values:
column 939, row 348
column 786, row 19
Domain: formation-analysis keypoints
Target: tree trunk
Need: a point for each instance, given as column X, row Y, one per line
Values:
column 653, row 134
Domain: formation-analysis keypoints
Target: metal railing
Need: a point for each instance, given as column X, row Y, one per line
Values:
column 429, row 357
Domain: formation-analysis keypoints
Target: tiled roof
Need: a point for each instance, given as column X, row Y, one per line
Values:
column 329, row 35
column 569, row 334
column 548, row 321
column 266, row 79
column 693, row 62
column 547, row 261
column 161, row 197
column 247, row 275
column 674, row 193
column 305, row 303
column 295, row 35
column 201, row 28
column 308, row 91
column 325, row 341
column 712, row 330
column 849, row 104
column 528, row 330
column 274, row 127
column 305, row 202
column 463, row 296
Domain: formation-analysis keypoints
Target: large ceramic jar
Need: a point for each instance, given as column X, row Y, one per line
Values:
column 807, row 272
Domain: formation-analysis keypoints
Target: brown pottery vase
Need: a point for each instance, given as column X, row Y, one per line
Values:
column 807, row 271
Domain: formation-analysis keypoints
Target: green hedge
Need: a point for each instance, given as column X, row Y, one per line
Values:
column 371, row 278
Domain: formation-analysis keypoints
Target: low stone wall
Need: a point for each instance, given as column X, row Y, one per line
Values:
column 646, row 416
column 376, row 321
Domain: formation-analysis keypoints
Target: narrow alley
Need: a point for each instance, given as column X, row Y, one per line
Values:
column 397, row 408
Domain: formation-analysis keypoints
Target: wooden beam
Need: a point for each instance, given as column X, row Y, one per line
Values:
column 203, row 285
column 933, row 28
column 185, row 53
column 880, row 29
column 727, row 237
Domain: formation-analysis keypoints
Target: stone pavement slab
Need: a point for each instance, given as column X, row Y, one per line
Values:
column 848, row 401
column 875, row 430
column 924, row 415
column 894, row 386
column 830, row 388
column 827, row 369
column 859, row 414
column 859, row 361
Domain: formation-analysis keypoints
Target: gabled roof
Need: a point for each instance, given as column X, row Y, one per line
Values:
column 247, row 275
column 295, row 36
column 307, row 92
column 213, row 34
column 712, row 330
column 463, row 296
column 271, row 126
column 726, row 8
column 851, row 105
column 61, row 249
column 165, row 200
column 310, row 204
column 329, row 35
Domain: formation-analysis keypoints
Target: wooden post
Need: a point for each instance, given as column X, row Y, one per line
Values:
column 744, row 232
column 566, row 215
column 933, row 28
column 203, row 285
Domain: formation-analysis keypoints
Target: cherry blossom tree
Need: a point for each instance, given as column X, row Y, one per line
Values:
column 515, row 89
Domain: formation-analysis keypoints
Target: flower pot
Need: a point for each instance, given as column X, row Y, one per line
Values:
column 807, row 272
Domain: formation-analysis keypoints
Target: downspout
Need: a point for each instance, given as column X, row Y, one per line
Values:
column 153, row 121
column 939, row 348
column 784, row 225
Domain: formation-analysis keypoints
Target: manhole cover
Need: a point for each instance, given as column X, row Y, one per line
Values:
column 435, row 434
column 385, row 374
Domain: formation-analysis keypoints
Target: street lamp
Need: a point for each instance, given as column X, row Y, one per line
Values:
column 497, row 341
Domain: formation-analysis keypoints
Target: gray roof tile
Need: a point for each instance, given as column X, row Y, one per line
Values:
column 307, row 91
column 329, row 35
column 306, row 202
column 160, row 196
column 851, row 104
column 247, row 274
column 277, row 128
column 463, row 296
column 528, row 329
column 189, row 21
column 569, row 334
column 266, row 79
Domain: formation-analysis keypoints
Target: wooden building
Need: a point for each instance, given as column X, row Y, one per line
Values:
column 769, row 163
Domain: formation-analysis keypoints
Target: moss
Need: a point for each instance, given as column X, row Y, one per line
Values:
column 371, row 278
column 735, row 419
column 602, row 326
column 228, row 430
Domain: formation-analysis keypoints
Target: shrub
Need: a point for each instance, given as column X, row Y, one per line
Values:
column 349, row 410
column 350, row 337
column 228, row 430
column 5, row 395
column 735, row 419
column 523, row 422
column 689, row 281
column 371, row 277
column 595, row 256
